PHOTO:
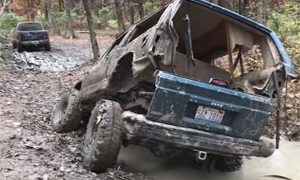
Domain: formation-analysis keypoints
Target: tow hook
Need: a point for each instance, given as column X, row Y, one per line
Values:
column 201, row 155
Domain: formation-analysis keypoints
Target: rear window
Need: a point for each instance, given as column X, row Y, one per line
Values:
column 30, row 27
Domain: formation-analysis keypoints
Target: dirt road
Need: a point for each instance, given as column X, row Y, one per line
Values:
column 65, row 55
column 29, row 149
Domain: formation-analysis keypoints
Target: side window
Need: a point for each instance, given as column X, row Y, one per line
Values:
column 245, row 60
column 146, row 24
column 119, row 38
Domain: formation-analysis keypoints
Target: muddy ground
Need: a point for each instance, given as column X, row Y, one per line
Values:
column 30, row 88
column 65, row 55
column 29, row 149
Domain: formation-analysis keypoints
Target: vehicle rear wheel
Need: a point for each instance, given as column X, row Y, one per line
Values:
column 20, row 48
column 14, row 45
column 103, row 136
column 228, row 164
column 67, row 114
column 48, row 47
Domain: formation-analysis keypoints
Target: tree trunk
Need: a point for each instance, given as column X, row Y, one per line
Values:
column 131, row 11
column 69, row 25
column 226, row 4
column 240, row 7
column 119, row 14
column 245, row 6
column 60, row 5
column 141, row 8
column 49, row 15
column 163, row 2
column 5, row 6
column 48, row 10
column 261, row 13
column 246, row 3
column 90, row 20
column 30, row 10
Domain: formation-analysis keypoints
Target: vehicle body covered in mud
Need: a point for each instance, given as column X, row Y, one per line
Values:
column 30, row 34
column 192, row 76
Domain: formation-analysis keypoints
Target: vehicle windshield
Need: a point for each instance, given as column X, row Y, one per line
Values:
column 30, row 27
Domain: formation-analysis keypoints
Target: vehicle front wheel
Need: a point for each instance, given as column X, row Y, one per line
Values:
column 20, row 48
column 48, row 47
column 67, row 114
column 103, row 136
column 14, row 45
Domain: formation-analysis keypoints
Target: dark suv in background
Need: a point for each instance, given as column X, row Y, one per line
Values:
column 30, row 35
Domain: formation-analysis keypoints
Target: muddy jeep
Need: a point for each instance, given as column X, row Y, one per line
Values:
column 193, row 76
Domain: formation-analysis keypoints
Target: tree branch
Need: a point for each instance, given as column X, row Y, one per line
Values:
column 5, row 6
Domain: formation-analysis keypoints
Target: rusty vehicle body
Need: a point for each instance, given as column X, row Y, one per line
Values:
column 178, row 79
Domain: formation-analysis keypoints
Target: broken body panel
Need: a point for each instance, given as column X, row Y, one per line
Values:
column 186, row 39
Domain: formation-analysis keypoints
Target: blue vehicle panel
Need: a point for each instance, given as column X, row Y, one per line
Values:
column 177, row 100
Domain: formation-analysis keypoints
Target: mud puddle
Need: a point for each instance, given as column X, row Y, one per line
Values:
column 46, row 61
column 284, row 162
column 65, row 55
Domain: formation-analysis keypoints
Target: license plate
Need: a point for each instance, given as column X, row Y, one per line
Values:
column 210, row 114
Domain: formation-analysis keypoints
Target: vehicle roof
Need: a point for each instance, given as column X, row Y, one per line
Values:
column 289, row 67
column 28, row 22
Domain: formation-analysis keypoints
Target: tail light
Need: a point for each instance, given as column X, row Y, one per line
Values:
column 218, row 82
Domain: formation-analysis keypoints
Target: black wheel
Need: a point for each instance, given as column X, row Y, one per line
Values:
column 67, row 114
column 228, row 164
column 20, row 48
column 14, row 45
column 103, row 136
column 48, row 47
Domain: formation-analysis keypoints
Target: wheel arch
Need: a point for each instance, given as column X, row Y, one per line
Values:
column 122, row 75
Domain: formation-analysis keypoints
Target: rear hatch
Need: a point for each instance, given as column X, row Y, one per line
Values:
column 33, row 35
column 189, row 103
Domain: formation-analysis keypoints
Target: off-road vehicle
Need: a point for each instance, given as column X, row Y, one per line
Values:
column 192, row 76
column 30, row 35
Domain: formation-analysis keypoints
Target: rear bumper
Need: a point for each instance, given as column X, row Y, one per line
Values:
column 34, row 43
column 138, row 127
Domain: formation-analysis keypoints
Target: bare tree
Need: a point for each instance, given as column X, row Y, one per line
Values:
column 164, row 2
column 69, row 25
column 136, row 5
column 49, row 14
column 60, row 5
column 5, row 6
column 131, row 11
column 119, row 14
column 90, row 20
column 141, row 8
column 226, row 3
column 245, row 6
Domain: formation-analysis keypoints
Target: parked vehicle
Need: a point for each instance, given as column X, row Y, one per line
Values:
column 30, row 35
column 180, row 79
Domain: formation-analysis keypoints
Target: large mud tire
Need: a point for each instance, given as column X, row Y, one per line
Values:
column 14, row 45
column 67, row 114
column 103, row 137
column 228, row 164
column 48, row 47
column 20, row 48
